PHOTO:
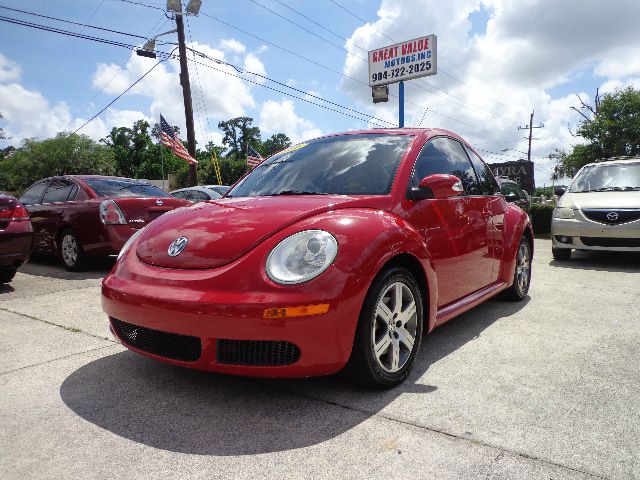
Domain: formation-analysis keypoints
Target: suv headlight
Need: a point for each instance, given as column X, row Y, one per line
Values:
column 301, row 257
column 563, row 213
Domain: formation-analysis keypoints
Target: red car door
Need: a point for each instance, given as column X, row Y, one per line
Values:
column 456, row 229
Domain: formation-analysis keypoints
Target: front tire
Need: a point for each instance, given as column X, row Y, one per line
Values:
column 389, row 330
column 71, row 251
column 7, row 273
column 521, row 273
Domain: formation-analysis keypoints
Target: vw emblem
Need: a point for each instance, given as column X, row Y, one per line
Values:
column 159, row 202
column 613, row 216
column 177, row 246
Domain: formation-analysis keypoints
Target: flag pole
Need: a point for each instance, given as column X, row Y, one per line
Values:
column 162, row 164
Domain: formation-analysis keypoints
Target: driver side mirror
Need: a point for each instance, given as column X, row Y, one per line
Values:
column 438, row 185
column 559, row 191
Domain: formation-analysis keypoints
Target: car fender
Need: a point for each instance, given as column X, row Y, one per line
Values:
column 367, row 241
column 516, row 224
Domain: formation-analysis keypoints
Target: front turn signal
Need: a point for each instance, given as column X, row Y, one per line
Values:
column 300, row 311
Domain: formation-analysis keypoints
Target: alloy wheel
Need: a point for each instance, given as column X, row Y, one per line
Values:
column 523, row 267
column 69, row 250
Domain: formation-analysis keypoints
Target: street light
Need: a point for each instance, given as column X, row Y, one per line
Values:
column 175, row 6
column 148, row 48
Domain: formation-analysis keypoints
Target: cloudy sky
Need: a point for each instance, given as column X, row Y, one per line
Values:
column 498, row 61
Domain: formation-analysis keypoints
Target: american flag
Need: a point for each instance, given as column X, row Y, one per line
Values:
column 170, row 139
column 253, row 157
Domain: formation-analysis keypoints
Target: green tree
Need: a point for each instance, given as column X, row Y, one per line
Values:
column 65, row 154
column 611, row 128
column 238, row 133
column 275, row 144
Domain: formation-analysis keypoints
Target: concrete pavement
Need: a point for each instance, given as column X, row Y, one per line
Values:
column 547, row 388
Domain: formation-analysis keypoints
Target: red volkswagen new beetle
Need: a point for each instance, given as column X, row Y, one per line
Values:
column 334, row 253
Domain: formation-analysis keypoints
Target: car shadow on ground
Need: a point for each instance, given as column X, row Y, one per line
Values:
column 194, row 412
column 50, row 266
column 601, row 261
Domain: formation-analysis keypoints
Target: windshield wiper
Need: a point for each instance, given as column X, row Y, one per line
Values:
column 297, row 192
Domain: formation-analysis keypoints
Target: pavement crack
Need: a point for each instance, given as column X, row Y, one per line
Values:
column 6, row 372
column 64, row 327
column 392, row 418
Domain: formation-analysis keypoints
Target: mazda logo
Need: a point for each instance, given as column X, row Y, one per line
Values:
column 177, row 246
column 612, row 216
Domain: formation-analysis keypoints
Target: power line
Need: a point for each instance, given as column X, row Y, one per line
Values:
column 127, row 89
column 72, row 22
column 142, row 4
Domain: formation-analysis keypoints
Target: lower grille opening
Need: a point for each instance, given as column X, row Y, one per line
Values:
column 169, row 345
column 256, row 352
column 610, row 242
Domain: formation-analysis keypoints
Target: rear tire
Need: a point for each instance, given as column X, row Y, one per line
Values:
column 562, row 254
column 71, row 251
column 7, row 273
column 521, row 273
column 389, row 330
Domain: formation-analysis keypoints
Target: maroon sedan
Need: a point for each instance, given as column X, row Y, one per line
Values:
column 15, row 237
column 77, row 216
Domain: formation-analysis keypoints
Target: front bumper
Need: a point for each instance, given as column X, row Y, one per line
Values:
column 220, row 313
column 584, row 234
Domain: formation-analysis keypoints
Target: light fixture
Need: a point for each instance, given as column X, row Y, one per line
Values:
column 193, row 7
column 148, row 49
column 174, row 6
column 380, row 93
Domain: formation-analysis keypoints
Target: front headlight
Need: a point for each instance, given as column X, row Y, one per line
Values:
column 563, row 213
column 301, row 257
column 129, row 242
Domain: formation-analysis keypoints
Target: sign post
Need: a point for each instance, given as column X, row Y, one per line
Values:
column 403, row 61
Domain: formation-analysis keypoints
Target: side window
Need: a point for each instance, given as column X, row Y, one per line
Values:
column 198, row 196
column 488, row 183
column 60, row 191
column 444, row 155
column 33, row 194
column 179, row 195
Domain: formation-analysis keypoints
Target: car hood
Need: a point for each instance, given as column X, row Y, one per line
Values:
column 220, row 231
column 610, row 200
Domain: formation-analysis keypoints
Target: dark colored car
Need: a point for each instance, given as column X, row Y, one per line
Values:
column 337, row 252
column 513, row 193
column 15, row 237
column 79, row 216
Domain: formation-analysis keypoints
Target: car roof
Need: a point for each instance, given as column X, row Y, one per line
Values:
column 616, row 161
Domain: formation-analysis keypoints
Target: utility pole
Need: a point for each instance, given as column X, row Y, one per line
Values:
column 530, row 127
column 186, row 93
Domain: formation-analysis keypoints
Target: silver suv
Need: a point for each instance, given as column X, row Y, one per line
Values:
column 600, row 210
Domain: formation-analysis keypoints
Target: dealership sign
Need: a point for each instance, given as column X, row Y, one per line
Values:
column 519, row 171
column 403, row 61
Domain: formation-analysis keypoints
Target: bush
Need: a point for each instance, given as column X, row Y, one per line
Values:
column 540, row 215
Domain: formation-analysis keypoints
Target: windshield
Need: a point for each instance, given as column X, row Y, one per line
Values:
column 607, row 178
column 120, row 187
column 363, row 164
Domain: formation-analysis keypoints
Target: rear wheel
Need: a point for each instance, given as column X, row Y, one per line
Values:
column 521, row 273
column 7, row 273
column 561, row 253
column 389, row 330
column 70, row 250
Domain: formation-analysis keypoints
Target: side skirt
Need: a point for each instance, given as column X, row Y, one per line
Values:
column 456, row 308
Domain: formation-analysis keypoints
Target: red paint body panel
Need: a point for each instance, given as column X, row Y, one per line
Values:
column 82, row 214
column 16, row 233
column 463, row 247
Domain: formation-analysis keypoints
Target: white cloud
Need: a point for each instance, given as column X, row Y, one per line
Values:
column 232, row 45
column 280, row 117
column 9, row 70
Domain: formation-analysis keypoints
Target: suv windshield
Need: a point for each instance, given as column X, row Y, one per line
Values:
column 363, row 164
column 120, row 187
column 605, row 177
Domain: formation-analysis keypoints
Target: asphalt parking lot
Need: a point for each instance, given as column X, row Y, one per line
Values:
column 546, row 388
